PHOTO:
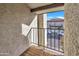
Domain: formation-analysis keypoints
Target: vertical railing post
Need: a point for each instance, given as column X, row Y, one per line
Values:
column 59, row 39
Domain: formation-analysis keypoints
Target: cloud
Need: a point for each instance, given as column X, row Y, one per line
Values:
column 55, row 17
column 61, row 17
column 50, row 17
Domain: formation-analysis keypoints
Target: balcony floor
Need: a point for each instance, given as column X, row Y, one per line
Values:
column 38, row 51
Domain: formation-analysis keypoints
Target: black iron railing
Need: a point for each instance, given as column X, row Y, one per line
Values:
column 52, row 37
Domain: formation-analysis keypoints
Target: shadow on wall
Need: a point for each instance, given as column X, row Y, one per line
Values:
column 26, row 28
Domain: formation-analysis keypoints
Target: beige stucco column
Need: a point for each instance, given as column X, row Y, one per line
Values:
column 41, row 39
column 71, row 27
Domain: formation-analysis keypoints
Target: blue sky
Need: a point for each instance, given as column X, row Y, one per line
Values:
column 58, row 14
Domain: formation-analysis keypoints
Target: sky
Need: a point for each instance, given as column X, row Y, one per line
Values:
column 58, row 14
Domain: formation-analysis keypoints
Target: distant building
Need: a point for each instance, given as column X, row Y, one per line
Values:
column 55, row 22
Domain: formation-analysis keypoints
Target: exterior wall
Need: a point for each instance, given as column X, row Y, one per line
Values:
column 41, row 33
column 71, row 26
column 12, row 16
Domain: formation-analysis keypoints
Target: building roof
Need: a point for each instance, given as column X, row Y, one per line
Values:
column 56, row 20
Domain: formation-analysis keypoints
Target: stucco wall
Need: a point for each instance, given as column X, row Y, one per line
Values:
column 12, row 16
column 71, row 28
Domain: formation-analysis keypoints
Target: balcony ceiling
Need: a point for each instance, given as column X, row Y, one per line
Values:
column 40, row 8
column 36, row 5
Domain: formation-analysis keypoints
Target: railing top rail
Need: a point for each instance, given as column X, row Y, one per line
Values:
column 43, row 28
column 48, row 28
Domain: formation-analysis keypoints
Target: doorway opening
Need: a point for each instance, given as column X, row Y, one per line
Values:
column 55, row 30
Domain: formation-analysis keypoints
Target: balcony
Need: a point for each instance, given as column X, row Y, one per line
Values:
column 50, row 44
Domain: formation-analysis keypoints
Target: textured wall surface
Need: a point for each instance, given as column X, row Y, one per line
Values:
column 71, row 40
column 12, row 16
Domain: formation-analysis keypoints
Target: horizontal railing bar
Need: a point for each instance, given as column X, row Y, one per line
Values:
column 47, row 28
